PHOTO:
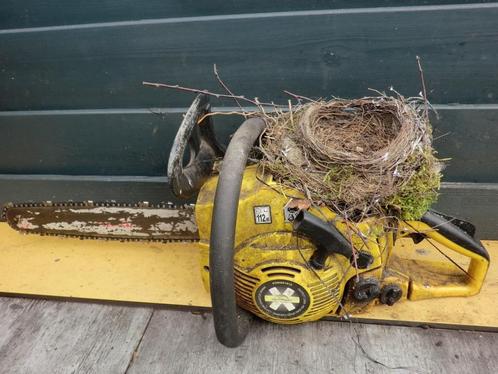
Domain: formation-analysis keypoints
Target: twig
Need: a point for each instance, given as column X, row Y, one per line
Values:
column 424, row 91
column 291, row 114
column 441, row 136
column 210, row 114
column 358, row 344
column 355, row 254
column 299, row 97
column 440, row 251
column 215, row 69
column 206, row 92
column 260, row 105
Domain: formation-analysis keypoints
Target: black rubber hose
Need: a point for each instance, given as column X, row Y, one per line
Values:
column 230, row 322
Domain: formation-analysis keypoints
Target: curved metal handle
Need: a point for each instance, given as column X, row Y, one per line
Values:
column 231, row 322
column 204, row 149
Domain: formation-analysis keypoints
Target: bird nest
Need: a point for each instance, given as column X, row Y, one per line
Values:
column 361, row 157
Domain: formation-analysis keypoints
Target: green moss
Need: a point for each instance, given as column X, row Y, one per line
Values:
column 337, row 179
column 417, row 195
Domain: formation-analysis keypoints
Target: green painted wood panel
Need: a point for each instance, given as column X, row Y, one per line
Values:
column 103, row 143
column 137, row 142
column 36, row 188
column 77, row 61
column 36, row 13
column 315, row 55
column 469, row 137
column 107, row 142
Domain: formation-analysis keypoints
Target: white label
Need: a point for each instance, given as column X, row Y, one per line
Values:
column 290, row 213
column 262, row 214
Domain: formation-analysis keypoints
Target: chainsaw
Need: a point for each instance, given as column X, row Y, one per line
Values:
column 265, row 250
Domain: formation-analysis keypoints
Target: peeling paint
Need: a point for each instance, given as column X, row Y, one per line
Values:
column 147, row 213
column 84, row 227
column 25, row 224
column 186, row 226
column 106, row 222
column 162, row 226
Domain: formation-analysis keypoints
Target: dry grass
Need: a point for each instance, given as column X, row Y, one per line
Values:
column 362, row 157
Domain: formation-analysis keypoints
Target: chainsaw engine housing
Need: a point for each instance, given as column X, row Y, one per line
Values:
column 282, row 288
column 273, row 276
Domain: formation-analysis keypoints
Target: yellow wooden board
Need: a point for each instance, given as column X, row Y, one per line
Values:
column 101, row 270
column 169, row 274
column 479, row 311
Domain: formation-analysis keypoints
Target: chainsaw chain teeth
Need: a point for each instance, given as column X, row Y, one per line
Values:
column 92, row 204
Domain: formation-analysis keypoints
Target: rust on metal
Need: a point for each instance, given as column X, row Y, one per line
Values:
column 108, row 221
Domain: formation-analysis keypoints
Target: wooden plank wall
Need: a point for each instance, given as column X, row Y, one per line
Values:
column 76, row 122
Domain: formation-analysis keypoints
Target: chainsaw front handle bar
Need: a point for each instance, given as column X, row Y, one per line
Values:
column 231, row 323
column 185, row 181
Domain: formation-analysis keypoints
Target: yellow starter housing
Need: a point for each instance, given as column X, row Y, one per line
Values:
column 274, row 280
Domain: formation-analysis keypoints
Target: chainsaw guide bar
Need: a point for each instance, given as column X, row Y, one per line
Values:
column 108, row 221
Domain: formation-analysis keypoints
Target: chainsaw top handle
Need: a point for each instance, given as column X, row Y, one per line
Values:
column 230, row 321
column 186, row 180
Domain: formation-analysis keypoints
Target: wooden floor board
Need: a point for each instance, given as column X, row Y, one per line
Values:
column 39, row 336
column 180, row 342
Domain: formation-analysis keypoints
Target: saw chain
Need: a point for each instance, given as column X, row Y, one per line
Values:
column 105, row 220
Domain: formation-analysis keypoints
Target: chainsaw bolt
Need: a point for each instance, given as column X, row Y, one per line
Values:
column 390, row 294
column 366, row 290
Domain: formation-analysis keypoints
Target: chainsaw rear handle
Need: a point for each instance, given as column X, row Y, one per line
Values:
column 441, row 229
column 187, row 180
column 230, row 321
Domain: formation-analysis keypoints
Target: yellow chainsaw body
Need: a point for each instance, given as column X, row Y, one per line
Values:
column 273, row 278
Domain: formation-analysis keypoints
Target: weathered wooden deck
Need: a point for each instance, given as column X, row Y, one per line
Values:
column 40, row 336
